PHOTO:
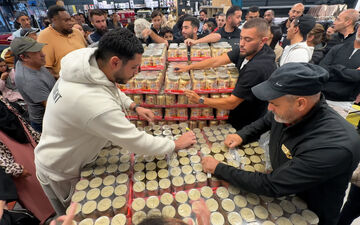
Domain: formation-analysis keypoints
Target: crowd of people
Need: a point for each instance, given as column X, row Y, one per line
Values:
column 292, row 76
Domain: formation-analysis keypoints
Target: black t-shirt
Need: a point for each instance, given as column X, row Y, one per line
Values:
column 182, row 39
column 257, row 70
column 228, row 36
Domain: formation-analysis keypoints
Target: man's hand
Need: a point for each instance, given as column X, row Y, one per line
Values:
column 2, row 207
column 192, row 96
column 146, row 33
column 185, row 140
column 181, row 68
column 25, row 173
column 190, row 42
column 4, row 75
column 145, row 113
column 66, row 219
column 209, row 164
column 233, row 140
column 358, row 68
column 201, row 211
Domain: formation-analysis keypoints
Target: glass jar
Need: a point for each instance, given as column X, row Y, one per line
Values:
column 182, row 99
column 152, row 83
column 140, row 82
column 211, row 82
column 233, row 80
column 170, row 112
column 202, row 124
column 160, row 99
column 172, row 83
column 150, row 99
column 170, row 99
column 223, row 81
column 182, row 51
column 206, row 112
column 199, row 82
column 138, row 99
column 157, row 112
column 146, row 59
column 222, row 112
column 195, row 112
column 184, row 83
column 182, row 112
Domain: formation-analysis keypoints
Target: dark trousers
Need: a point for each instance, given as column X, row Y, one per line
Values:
column 351, row 208
column 37, row 126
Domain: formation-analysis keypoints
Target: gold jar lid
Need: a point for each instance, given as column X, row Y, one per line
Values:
column 107, row 191
column 164, row 183
column 240, row 201
column 124, row 167
column 99, row 170
column 195, row 159
column 119, row 202
column 109, row 180
column 138, row 204
column 125, row 158
column 154, row 213
column 139, row 186
column 184, row 161
column 283, row 221
column 241, row 152
column 150, row 166
column 139, row 176
column 82, row 185
column 163, row 173
column 175, row 171
column 217, row 218
column 259, row 168
column 215, row 149
column 93, row 194
column 138, row 217
column 255, row 159
column 205, row 151
column 192, row 151
column 181, row 197
column 113, row 159
column 211, row 77
column 101, row 161
column 197, row 167
column 78, row 196
column 249, row 151
column 253, row 199
column 162, row 164
column 259, row 150
column 189, row 179
column 228, row 205
column 121, row 189
column 234, row 218
column 222, row 192
column 166, row 199
column 151, row 175
column 245, row 160
column 139, row 167
column 184, row 210
column 249, row 168
column 173, row 78
column 219, row 157
column 152, row 185
column 169, row 211
column 89, row 207
column 86, row 221
column 182, row 153
column 247, row 214
column 174, row 163
column 152, row 202
column 187, row 169
column 104, row 153
column 112, row 168
column 266, row 199
column 310, row 217
column 194, row 194
column 299, row 203
column 233, row 190
column 212, row 205
column 86, row 172
column 261, row 212
column 104, row 205
column 287, row 206
column 275, row 210
column 201, row 177
column 119, row 219
column 206, row 192
column 122, row 179
column 77, row 210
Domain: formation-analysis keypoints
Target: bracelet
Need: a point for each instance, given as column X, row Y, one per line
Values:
column 137, row 105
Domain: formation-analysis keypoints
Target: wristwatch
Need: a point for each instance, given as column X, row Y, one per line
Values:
column 201, row 100
column 137, row 105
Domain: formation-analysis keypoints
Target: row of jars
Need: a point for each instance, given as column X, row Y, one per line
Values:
column 153, row 57
column 220, row 48
column 141, row 81
column 168, row 99
column 200, row 82
column 177, row 51
column 192, row 124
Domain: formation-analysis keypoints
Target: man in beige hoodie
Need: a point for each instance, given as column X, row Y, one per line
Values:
column 85, row 110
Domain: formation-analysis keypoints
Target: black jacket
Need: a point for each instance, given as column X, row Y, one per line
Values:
column 339, row 38
column 257, row 70
column 7, row 187
column 344, row 80
column 324, row 151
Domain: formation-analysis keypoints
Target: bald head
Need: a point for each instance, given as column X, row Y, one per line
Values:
column 296, row 11
column 345, row 21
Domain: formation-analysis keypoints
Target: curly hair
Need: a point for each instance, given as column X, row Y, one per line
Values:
column 119, row 42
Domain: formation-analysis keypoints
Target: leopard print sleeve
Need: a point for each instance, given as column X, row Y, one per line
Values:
column 8, row 163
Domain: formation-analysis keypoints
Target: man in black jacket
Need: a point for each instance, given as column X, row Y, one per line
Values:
column 343, row 64
column 313, row 151
column 253, row 51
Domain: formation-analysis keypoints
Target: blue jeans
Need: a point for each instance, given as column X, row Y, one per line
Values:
column 37, row 126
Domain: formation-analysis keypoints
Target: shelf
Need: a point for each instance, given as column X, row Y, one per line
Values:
column 174, row 106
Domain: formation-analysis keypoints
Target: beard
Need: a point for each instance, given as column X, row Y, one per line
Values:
column 66, row 32
column 244, row 54
column 186, row 36
column 358, row 37
column 286, row 118
column 120, row 77
column 102, row 31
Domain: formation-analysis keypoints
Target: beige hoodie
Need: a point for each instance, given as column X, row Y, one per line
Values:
column 84, row 111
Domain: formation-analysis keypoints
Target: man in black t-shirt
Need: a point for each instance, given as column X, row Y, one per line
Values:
column 229, row 31
column 255, row 61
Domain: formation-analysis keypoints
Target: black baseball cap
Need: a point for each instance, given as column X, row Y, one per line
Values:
column 305, row 23
column 301, row 79
column 20, row 14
